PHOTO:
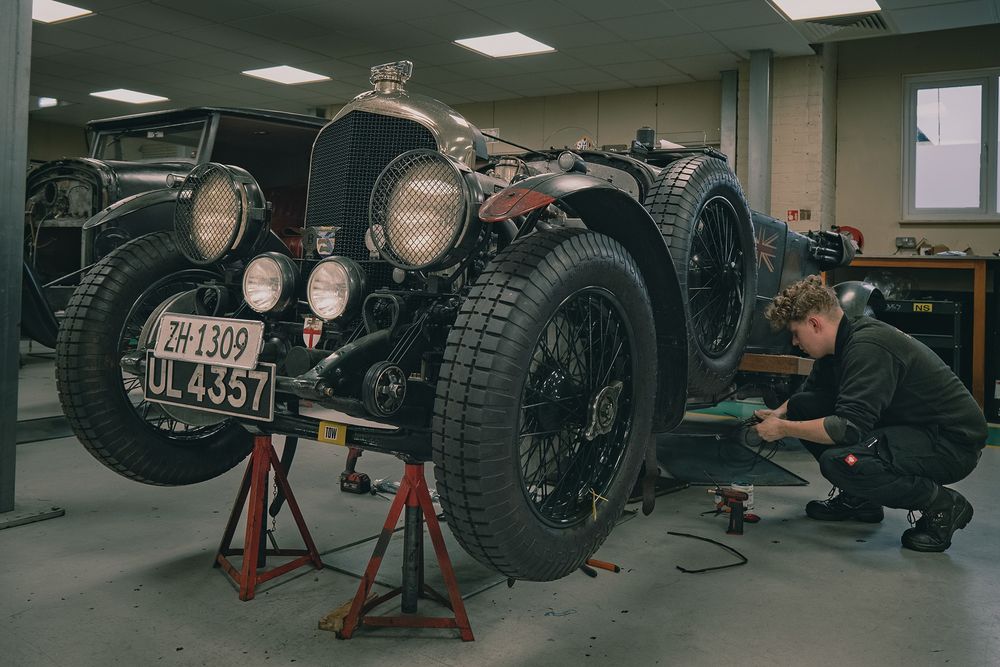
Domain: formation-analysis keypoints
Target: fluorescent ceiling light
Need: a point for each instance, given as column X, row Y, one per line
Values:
column 285, row 74
column 797, row 10
column 125, row 95
column 50, row 11
column 47, row 102
column 505, row 45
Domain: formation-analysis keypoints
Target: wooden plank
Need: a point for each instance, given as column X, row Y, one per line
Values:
column 778, row 364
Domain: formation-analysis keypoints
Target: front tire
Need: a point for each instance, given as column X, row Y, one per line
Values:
column 105, row 409
column 545, row 403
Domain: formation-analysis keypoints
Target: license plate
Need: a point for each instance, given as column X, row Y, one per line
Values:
column 238, row 392
column 209, row 340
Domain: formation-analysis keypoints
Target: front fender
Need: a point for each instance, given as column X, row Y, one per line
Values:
column 129, row 218
column 610, row 211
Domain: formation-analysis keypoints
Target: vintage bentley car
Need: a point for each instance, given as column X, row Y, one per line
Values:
column 525, row 322
column 79, row 209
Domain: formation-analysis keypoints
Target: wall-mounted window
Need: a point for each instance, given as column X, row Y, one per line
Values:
column 950, row 127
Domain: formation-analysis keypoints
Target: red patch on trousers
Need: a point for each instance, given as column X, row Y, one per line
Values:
column 850, row 459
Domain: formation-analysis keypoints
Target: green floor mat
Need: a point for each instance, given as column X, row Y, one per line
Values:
column 709, row 449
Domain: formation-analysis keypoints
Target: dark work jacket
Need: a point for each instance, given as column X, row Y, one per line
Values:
column 883, row 377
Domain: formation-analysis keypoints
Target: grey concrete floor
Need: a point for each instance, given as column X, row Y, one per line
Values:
column 125, row 578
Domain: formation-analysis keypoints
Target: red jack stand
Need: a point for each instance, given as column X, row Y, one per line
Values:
column 414, row 494
column 262, row 460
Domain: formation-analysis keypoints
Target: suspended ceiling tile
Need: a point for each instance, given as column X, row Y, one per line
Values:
column 280, row 27
column 128, row 53
column 577, row 35
column 583, row 75
column 646, row 69
column 220, row 11
column 174, row 45
column 705, row 68
column 732, row 15
column 782, row 39
column 952, row 15
column 547, row 62
column 600, row 10
column 108, row 28
column 278, row 53
column 458, row 26
column 163, row 19
column 603, row 54
column 681, row 45
column 223, row 37
column 440, row 54
column 649, row 26
column 533, row 14
column 59, row 35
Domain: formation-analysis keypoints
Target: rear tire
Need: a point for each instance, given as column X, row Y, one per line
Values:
column 704, row 218
column 545, row 398
column 101, row 323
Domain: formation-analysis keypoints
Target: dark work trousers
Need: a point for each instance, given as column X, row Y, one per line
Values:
column 903, row 469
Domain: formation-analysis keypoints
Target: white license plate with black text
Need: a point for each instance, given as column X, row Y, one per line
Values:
column 238, row 392
column 209, row 340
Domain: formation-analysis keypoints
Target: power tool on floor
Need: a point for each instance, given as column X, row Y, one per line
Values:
column 352, row 481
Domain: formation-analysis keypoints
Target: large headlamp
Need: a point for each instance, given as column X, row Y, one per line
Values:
column 422, row 213
column 269, row 282
column 336, row 287
column 220, row 209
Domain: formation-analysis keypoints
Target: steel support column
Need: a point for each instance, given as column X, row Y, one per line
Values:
column 730, row 106
column 15, row 62
column 759, row 139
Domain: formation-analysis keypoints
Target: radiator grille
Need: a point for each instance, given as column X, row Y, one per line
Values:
column 348, row 156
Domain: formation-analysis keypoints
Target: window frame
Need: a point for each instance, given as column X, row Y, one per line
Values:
column 987, row 211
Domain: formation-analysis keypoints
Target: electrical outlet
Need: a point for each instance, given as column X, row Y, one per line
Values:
column 906, row 242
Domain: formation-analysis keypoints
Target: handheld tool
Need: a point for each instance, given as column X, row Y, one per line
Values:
column 352, row 481
column 734, row 500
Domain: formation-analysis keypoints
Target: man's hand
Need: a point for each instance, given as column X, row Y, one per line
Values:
column 764, row 414
column 772, row 428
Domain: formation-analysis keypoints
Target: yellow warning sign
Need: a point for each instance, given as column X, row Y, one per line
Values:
column 332, row 433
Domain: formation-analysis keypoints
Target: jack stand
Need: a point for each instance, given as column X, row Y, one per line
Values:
column 255, row 552
column 414, row 494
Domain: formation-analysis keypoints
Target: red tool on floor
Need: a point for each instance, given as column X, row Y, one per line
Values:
column 352, row 481
column 413, row 493
column 263, row 459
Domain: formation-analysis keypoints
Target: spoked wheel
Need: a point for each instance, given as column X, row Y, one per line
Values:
column 704, row 218
column 544, row 408
column 576, row 408
column 104, row 319
column 152, row 414
column 716, row 268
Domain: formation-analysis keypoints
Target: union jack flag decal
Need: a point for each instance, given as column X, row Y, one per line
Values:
column 766, row 249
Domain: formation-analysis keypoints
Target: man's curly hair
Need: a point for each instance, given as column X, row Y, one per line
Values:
column 799, row 300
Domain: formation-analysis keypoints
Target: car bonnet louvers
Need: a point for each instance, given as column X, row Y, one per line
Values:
column 348, row 156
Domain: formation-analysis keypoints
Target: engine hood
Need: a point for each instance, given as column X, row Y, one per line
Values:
column 113, row 180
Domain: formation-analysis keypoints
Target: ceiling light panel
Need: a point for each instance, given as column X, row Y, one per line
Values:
column 286, row 74
column 50, row 11
column 505, row 45
column 798, row 10
column 131, row 96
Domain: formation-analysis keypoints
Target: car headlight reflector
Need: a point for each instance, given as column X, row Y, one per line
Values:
column 336, row 287
column 220, row 209
column 269, row 282
column 420, row 213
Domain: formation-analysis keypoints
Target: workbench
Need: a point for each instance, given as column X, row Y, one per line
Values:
column 984, row 272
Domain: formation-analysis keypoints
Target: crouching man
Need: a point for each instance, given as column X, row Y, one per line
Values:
column 888, row 421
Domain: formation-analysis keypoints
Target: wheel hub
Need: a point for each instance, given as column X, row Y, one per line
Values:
column 556, row 387
column 603, row 410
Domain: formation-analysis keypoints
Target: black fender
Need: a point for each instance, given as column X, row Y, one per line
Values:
column 142, row 214
column 129, row 218
column 860, row 298
column 604, row 208
column 37, row 319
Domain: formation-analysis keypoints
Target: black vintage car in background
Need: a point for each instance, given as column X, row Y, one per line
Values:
column 79, row 209
column 526, row 322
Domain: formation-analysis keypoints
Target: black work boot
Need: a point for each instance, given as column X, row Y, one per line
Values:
column 948, row 512
column 844, row 506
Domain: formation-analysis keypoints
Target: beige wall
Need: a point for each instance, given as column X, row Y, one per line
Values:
column 51, row 141
column 869, row 133
column 686, row 113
